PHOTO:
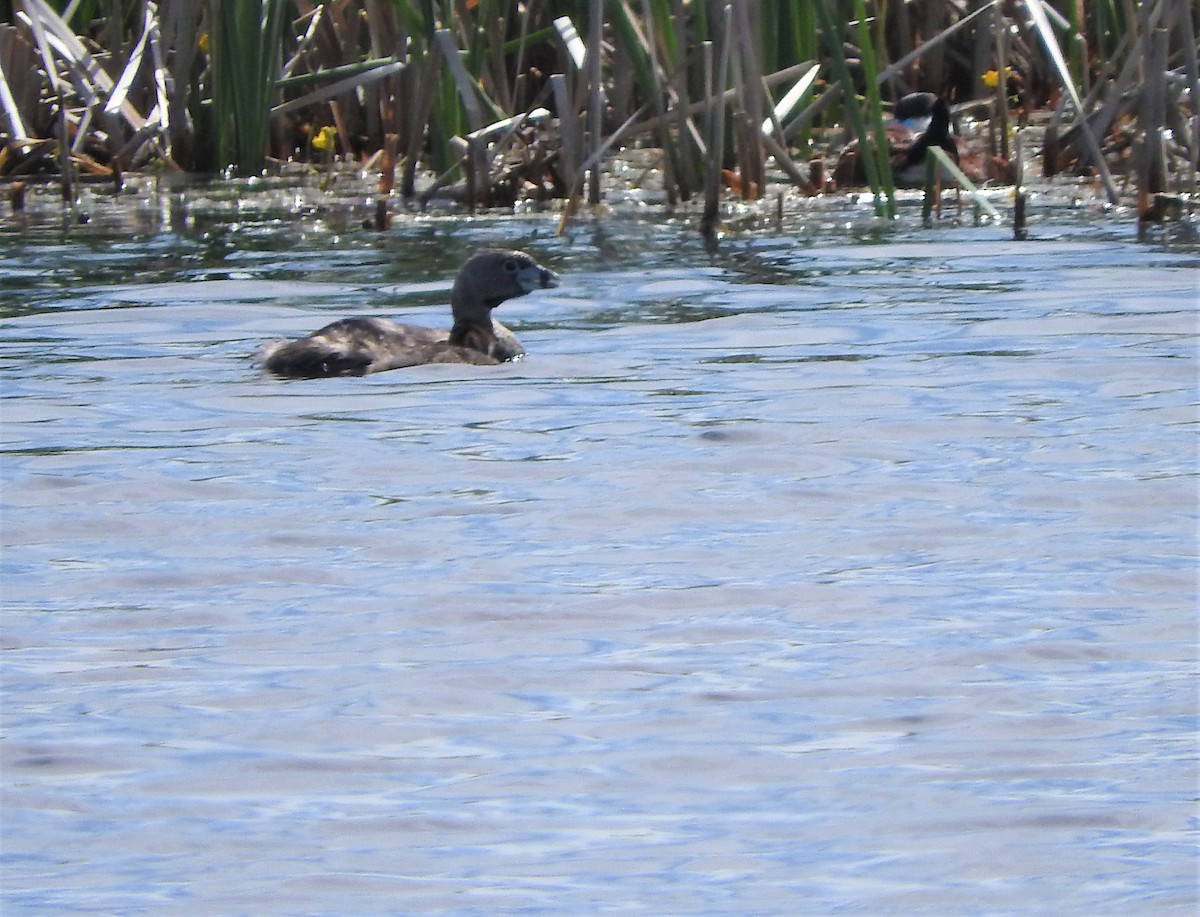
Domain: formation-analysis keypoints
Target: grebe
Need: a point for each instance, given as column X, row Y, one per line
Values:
column 921, row 120
column 357, row 346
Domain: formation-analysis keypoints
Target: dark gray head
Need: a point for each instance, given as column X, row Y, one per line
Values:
column 489, row 277
column 937, row 132
column 915, row 110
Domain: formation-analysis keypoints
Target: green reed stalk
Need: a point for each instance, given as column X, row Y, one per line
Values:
column 628, row 33
column 432, row 108
column 789, row 34
column 880, row 148
column 1077, row 44
column 481, row 34
column 84, row 14
column 246, row 44
column 837, row 58
column 638, row 40
column 658, row 25
column 412, row 15
column 796, row 40
column 1121, row 20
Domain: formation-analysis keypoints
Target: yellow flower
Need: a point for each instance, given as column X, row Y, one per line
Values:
column 323, row 139
column 991, row 79
column 204, row 43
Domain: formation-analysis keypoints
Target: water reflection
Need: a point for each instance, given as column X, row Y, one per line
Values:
column 816, row 578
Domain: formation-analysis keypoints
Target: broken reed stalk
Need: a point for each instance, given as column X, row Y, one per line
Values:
column 60, row 123
column 16, row 196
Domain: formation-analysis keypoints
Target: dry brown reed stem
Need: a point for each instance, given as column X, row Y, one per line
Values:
column 801, row 179
column 1037, row 14
column 393, row 108
column 982, row 56
column 748, row 77
column 17, row 99
column 690, row 146
column 497, row 80
column 568, row 98
column 1106, row 102
column 1189, row 132
column 462, row 79
column 712, row 162
column 1001, row 109
column 594, row 160
column 60, row 125
column 387, row 181
column 527, row 10
column 387, row 41
column 569, row 152
column 1187, row 29
column 715, row 134
column 1151, row 169
column 427, row 74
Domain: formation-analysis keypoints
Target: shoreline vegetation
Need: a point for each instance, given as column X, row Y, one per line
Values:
column 501, row 102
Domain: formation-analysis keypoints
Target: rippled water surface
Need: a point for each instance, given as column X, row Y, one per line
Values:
column 831, row 574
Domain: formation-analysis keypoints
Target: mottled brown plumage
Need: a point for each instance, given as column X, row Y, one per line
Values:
column 357, row 346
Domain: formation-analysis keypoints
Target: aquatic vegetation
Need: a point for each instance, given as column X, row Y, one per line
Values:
column 500, row 100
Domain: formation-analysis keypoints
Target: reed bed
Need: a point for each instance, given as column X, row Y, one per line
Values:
column 495, row 101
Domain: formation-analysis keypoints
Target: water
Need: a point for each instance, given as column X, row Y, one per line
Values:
column 842, row 573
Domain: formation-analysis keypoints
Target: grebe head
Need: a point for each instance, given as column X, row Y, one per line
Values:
column 491, row 276
column 915, row 110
